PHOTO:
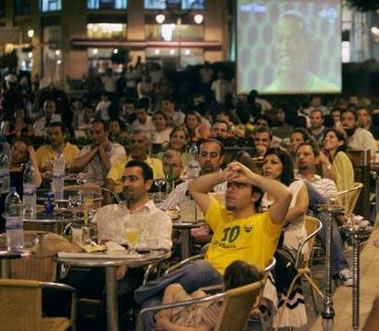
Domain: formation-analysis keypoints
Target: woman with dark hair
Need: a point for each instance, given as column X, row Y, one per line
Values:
column 179, row 139
column 161, row 133
column 335, row 163
column 278, row 165
column 202, row 316
column 297, row 137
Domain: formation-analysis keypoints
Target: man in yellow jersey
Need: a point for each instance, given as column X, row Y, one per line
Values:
column 240, row 233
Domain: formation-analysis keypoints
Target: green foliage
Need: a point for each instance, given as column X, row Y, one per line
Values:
column 9, row 60
column 363, row 5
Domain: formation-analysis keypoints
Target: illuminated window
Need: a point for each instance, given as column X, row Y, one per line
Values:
column 184, row 4
column 106, row 30
column 173, row 32
column 51, row 5
column 107, row 4
column 23, row 7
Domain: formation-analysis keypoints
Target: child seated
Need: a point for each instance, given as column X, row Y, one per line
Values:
column 202, row 317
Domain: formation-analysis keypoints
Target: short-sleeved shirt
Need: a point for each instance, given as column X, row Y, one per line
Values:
column 252, row 239
column 45, row 155
column 95, row 169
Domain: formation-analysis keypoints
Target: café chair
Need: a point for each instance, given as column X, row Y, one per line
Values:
column 235, row 310
column 302, row 263
column 96, row 189
column 21, row 306
column 32, row 267
column 348, row 198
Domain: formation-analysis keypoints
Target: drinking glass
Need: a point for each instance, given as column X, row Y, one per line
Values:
column 75, row 203
column 81, row 179
column 132, row 237
column 159, row 181
column 88, row 207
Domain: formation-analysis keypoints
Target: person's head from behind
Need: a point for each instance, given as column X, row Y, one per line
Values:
column 172, row 161
column 293, row 43
column 240, row 273
column 277, row 164
column 219, row 129
column 99, row 131
column 56, row 132
column 211, row 156
column 297, row 137
column 349, row 120
column 307, row 158
column 18, row 153
column 49, row 107
column 137, row 180
column 139, row 144
column 179, row 138
column 317, row 119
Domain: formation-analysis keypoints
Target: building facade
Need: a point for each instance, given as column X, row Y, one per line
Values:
column 69, row 38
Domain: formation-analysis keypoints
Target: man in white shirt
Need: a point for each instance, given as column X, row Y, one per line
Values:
column 321, row 190
column 96, row 159
column 143, row 121
column 357, row 138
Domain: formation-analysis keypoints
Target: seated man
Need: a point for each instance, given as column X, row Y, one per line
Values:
column 139, row 150
column 172, row 163
column 112, row 221
column 240, row 233
column 46, row 154
column 96, row 159
column 40, row 126
column 320, row 190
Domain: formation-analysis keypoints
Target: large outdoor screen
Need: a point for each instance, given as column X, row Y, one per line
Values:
column 289, row 46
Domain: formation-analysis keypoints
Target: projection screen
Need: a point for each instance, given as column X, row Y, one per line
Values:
column 288, row 46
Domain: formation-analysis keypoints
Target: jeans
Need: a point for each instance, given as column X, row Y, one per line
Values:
column 338, row 258
column 191, row 276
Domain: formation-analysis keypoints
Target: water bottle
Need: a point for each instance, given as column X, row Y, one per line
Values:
column 30, row 192
column 13, row 221
column 58, row 177
column 193, row 164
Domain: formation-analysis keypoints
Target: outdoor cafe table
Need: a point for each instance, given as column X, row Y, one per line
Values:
column 42, row 196
column 185, row 229
column 111, row 264
column 5, row 258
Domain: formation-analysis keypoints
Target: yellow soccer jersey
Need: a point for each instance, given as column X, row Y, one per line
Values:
column 252, row 239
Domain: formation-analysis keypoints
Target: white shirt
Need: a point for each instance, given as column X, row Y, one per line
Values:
column 179, row 194
column 95, row 169
column 325, row 186
column 147, row 126
column 40, row 125
column 363, row 140
column 112, row 220
column 161, row 137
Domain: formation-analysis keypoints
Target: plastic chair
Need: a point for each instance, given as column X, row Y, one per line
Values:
column 302, row 263
column 348, row 198
column 21, row 306
column 235, row 309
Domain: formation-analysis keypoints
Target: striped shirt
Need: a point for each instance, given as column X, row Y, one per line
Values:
column 325, row 186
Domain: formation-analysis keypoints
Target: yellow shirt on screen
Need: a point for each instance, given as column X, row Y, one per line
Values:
column 252, row 239
column 117, row 169
column 46, row 155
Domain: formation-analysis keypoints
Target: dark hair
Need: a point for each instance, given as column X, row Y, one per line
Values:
column 319, row 111
column 222, row 122
column 57, row 125
column 160, row 113
column 262, row 130
column 303, row 132
column 147, row 172
column 214, row 141
column 143, row 103
column 120, row 123
column 350, row 110
column 240, row 273
column 263, row 117
column 287, row 175
column 98, row 120
column 340, row 136
column 312, row 145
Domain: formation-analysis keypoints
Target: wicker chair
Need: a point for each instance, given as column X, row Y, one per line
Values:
column 235, row 310
column 21, row 306
column 348, row 198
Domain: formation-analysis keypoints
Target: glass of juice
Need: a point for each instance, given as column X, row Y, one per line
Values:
column 132, row 237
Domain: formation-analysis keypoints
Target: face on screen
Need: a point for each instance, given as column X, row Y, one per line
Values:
column 291, row 46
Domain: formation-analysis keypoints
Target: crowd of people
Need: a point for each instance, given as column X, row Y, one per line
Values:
column 137, row 129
